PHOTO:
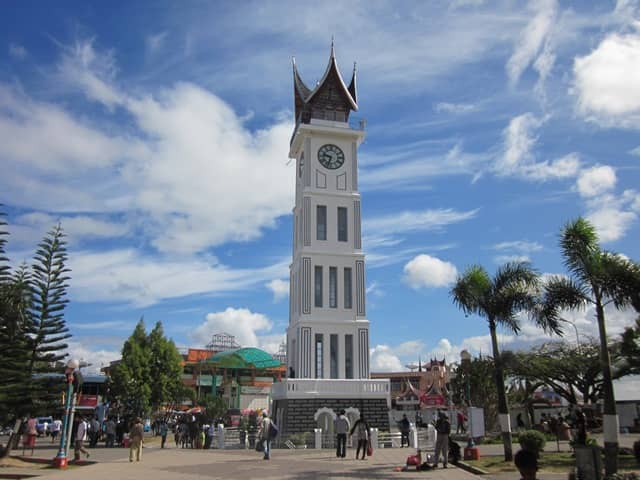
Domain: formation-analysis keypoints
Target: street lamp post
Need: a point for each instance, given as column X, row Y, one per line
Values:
column 471, row 452
column 61, row 459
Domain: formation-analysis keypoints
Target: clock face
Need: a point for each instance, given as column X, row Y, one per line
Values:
column 330, row 156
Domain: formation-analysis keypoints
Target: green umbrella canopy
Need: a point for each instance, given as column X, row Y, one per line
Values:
column 242, row 358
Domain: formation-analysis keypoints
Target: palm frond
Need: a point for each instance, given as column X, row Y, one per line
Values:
column 580, row 248
column 559, row 293
column 470, row 290
column 620, row 280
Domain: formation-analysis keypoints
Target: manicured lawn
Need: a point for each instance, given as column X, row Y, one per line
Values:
column 551, row 462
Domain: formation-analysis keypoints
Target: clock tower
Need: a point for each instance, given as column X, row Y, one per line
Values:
column 328, row 333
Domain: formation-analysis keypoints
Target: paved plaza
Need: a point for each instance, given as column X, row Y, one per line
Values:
column 175, row 463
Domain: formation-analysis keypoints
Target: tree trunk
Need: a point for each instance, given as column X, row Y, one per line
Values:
column 503, row 407
column 15, row 435
column 610, row 420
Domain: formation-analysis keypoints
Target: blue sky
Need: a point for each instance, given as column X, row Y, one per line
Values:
column 157, row 134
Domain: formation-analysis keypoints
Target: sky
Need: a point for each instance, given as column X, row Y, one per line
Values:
column 157, row 134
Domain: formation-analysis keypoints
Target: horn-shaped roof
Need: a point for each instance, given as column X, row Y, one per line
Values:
column 304, row 96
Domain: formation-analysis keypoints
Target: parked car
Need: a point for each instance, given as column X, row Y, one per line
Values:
column 40, row 421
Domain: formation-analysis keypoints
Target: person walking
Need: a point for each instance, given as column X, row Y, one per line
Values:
column 56, row 426
column 405, row 427
column 341, row 426
column 30, row 434
column 82, row 433
column 362, row 432
column 136, row 434
column 443, row 428
column 462, row 418
column 94, row 432
column 163, row 429
column 110, row 432
column 265, row 435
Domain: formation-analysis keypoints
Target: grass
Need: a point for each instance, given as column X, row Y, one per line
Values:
column 550, row 462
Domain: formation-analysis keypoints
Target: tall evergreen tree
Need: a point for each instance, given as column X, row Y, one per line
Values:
column 47, row 329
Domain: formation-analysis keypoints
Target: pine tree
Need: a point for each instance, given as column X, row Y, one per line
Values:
column 47, row 328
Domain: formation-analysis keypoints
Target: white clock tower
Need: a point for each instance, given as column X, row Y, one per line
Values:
column 328, row 333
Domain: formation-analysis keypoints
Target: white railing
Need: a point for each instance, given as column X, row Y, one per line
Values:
column 305, row 387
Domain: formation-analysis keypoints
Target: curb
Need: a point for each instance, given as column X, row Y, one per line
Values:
column 471, row 469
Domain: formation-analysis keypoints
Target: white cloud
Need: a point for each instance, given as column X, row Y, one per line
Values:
column 133, row 278
column 612, row 215
column 279, row 288
column 501, row 259
column 239, row 322
column 518, row 158
column 596, row 180
column 519, row 245
column 531, row 40
column 455, row 108
column 96, row 357
column 611, row 222
column 232, row 182
column 412, row 221
column 426, row 271
column 92, row 71
column 17, row 51
column 607, row 81
column 635, row 151
column 519, row 141
column 384, row 360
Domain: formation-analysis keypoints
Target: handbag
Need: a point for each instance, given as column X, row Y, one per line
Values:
column 369, row 450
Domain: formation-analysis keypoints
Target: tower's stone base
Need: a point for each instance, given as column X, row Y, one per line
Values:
column 301, row 414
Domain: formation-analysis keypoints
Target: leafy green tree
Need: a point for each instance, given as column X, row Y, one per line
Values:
column 165, row 368
column 572, row 371
column 130, row 378
column 482, row 387
column 149, row 375
column 597, row 278
column 214, row 406
column 629, row 348
column 498, row 300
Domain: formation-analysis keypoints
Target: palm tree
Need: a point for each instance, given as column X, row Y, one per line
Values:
column 598, row 278
column 513, row 289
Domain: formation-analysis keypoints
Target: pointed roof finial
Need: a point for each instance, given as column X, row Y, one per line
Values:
column 293, row 60
column 333, row 50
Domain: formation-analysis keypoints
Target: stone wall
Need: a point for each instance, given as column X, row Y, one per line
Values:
column 298, row 414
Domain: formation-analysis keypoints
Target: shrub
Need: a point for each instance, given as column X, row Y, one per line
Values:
column 636, row 450
column 532, row 440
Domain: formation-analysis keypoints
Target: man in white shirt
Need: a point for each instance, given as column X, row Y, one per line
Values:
column 81, row 436
column 56, row 426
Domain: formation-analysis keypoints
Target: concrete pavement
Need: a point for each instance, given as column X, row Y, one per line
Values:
column 173, row 463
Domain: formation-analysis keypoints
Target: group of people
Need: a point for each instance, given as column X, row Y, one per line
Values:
column 29, row 431
column 360, row 431
column 90, row 430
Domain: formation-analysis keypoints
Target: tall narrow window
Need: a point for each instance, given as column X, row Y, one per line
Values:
column 319, row 356
column 333, row 287
column 342, row 224
column 318, row 286
column 321, row 222
column 348, row 356
column 348, row 302
column 333, row 355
